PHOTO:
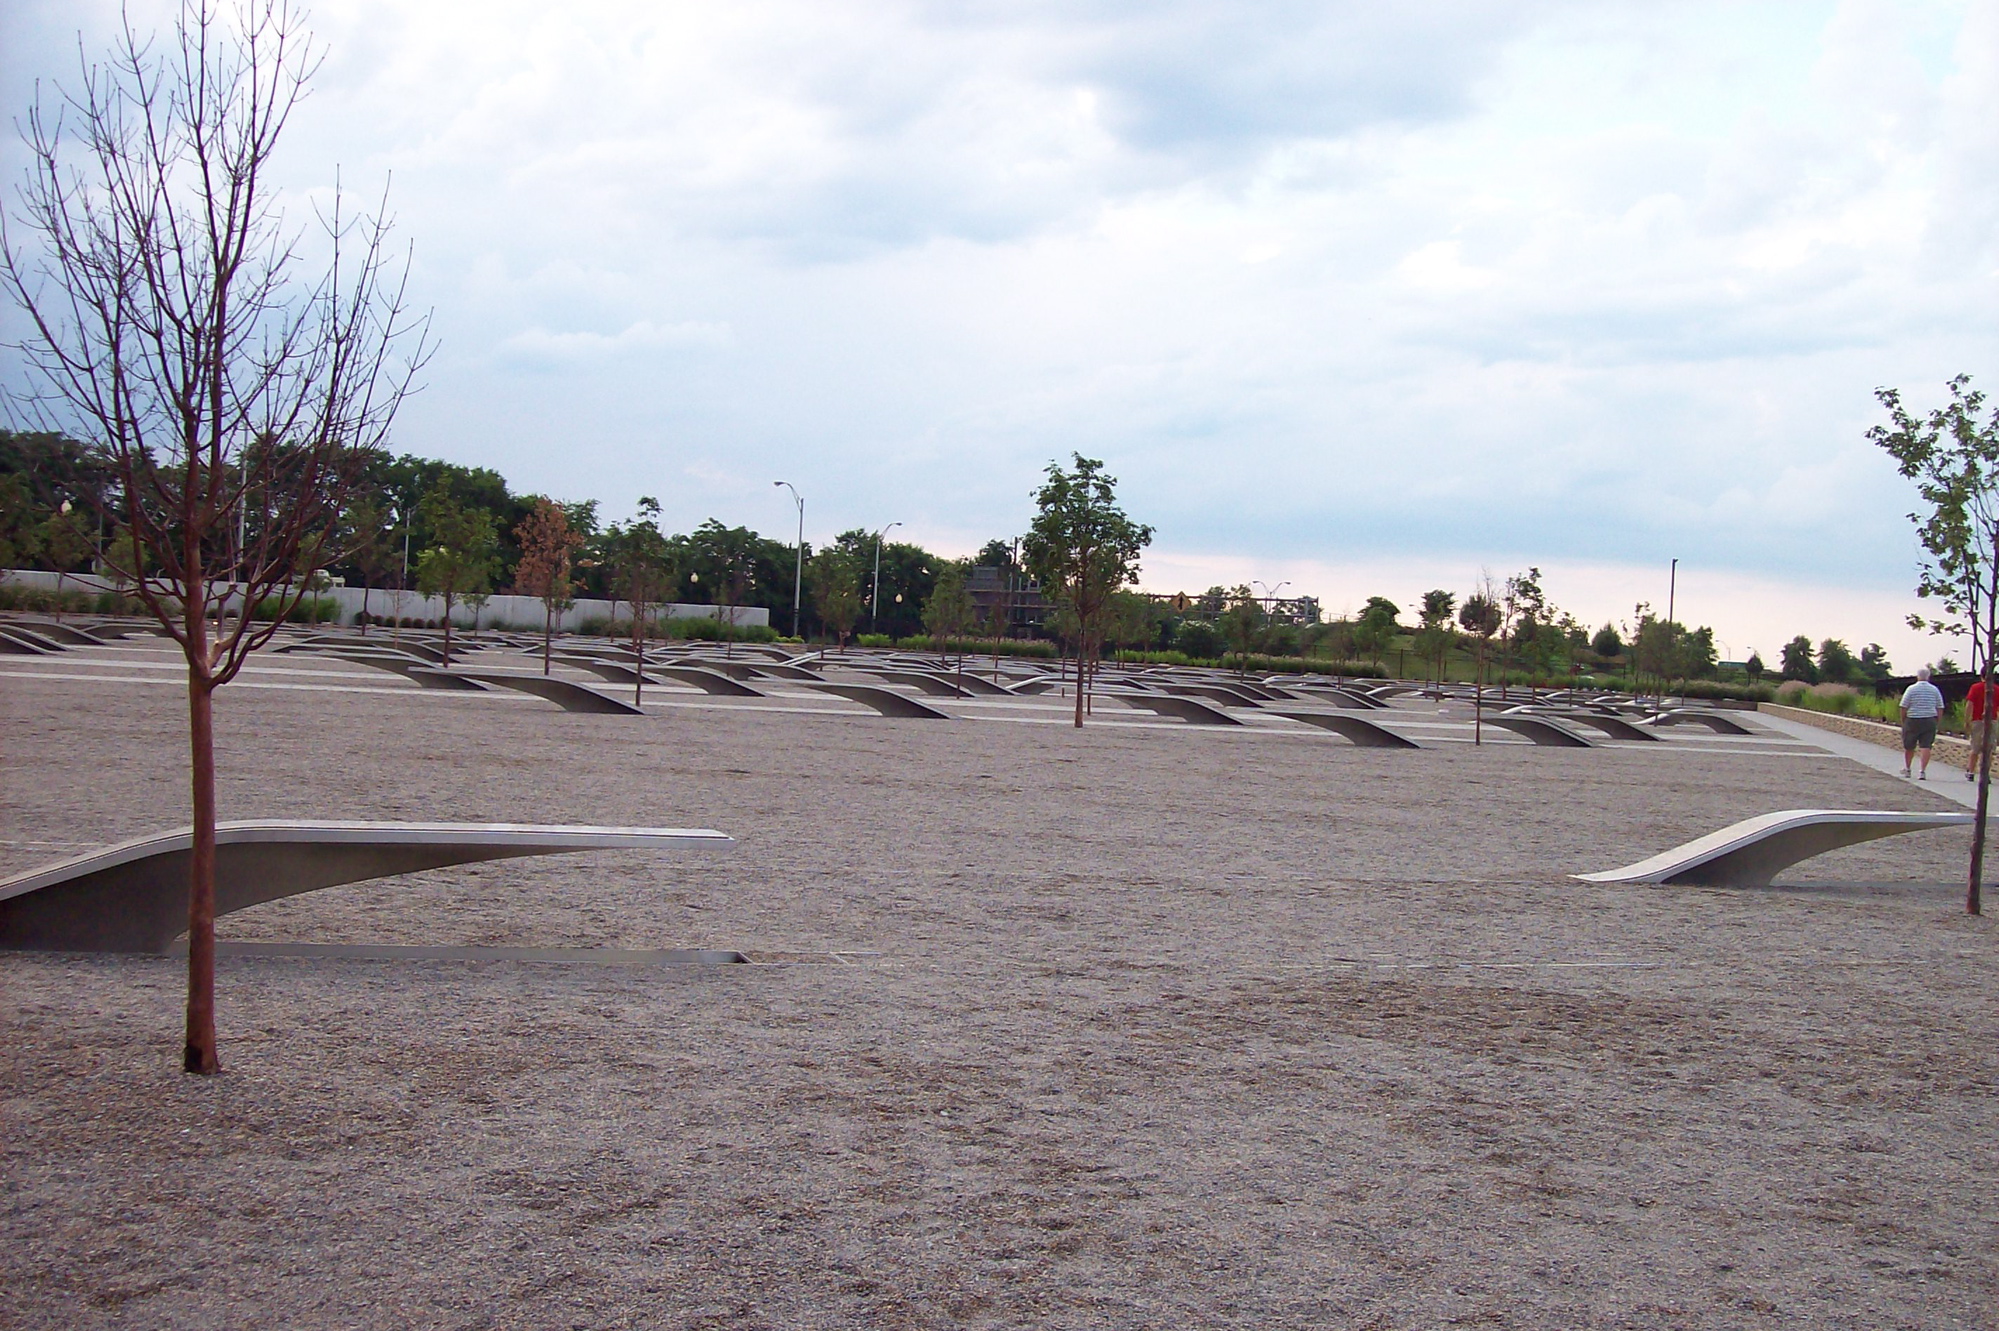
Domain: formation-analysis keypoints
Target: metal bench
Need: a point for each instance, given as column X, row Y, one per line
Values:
column 1166, row 704
column 701, row 677
column 1360, row 730
column 570, row 697
column 882, row 700
column 1754, row 851
column 1542, row 732
column 132, row 897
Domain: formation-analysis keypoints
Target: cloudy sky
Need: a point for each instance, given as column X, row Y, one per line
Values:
column 1363, row 298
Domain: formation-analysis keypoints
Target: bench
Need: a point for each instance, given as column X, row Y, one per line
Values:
column 883, row 701
column 132, row 897
column 568, row 696
column 1367, row 734
column 1754, row 851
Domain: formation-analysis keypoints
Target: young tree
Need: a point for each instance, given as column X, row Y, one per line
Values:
column 1377, row 626
column 166, row 320
column 1952, row 455
column 1873, row 662
column 1434, row 636
column 1083, row 548
column 548, row 544
column 1480, row 617
column 1753, row 667
column 639, row 564
column 836, row 592
column 462, row 560
column 1523, row 610
column 1243, row 625
column 949, row 612
column 369, row 545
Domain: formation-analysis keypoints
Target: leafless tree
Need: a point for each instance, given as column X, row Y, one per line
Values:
column 169, row 322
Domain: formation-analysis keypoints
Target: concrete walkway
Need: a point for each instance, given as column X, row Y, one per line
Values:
column 1946, row 779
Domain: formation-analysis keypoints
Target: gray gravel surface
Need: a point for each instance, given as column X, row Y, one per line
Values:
column 1131, row 1027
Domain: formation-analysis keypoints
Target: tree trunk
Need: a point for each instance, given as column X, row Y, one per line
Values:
column 447, row 630
column 638, row 655
column 1973, row 905
column 199, row 1054
column 364, row 607
column 1080, row 649
column 547, row 637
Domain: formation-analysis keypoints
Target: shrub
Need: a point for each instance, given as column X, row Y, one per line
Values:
column 1792, row 692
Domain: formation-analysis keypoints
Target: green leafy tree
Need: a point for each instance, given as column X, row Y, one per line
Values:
column 1434, row 635
column 1795, row 661
column 1243, row 626
column 836, row 591
column 1481, row 617
column 1607, row 643
column 1836, row 663
column 369, row 543
column 1952, row 454
column 949, row 613
column 1873, row 663
column 1083, row 548
column 638, row 564
column 1376, row 627
column 1753, row 667
column 463, row 557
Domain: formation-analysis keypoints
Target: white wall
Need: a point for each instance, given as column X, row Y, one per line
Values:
column 521, row 612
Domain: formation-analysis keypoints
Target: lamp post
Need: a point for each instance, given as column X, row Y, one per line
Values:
column 798, row 573
column 1270, row 592
column 875, row 597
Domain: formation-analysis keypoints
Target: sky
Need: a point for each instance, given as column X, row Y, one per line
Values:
column 1352, row 298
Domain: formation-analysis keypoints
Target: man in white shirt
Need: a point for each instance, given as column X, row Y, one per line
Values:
column 1922, row 704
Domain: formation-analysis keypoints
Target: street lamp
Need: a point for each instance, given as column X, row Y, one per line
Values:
column 875, row 597
column 1270, row 592
column 798, row 574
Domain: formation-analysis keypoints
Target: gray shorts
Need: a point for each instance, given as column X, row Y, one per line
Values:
column 1980, row 735
column 1919, row 732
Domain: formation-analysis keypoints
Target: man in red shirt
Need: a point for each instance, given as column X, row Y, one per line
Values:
column 1977, row 726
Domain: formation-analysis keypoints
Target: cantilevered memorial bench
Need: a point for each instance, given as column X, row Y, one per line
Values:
column 1715, row 721
column 413, row 668
column 923, row 681
column 1616, row 727
column 27, row 642
column 613, row 671
column 703, row 678
column 882, row 700
column 1191, row 710
column 1367, row 734
column 569, row 696
column 65, row 634
column 1754, row 851
column 1221, row 693
column 1545, row 733
column 132, row 897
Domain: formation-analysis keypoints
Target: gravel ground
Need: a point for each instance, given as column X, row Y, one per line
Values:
column 1139, row 1026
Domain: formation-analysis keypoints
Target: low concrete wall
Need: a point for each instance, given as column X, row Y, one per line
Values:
column 1953, row 751
column 520, row 612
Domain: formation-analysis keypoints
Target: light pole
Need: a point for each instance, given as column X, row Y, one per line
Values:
column 1270, row 592
column 798, row 573
column 875, row 597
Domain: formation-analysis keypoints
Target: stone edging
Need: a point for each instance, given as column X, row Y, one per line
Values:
column 1952, row 751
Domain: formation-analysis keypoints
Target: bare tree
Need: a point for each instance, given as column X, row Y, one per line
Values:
column 169, row 323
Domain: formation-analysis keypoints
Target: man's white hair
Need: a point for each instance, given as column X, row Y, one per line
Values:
column 1922, row 672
